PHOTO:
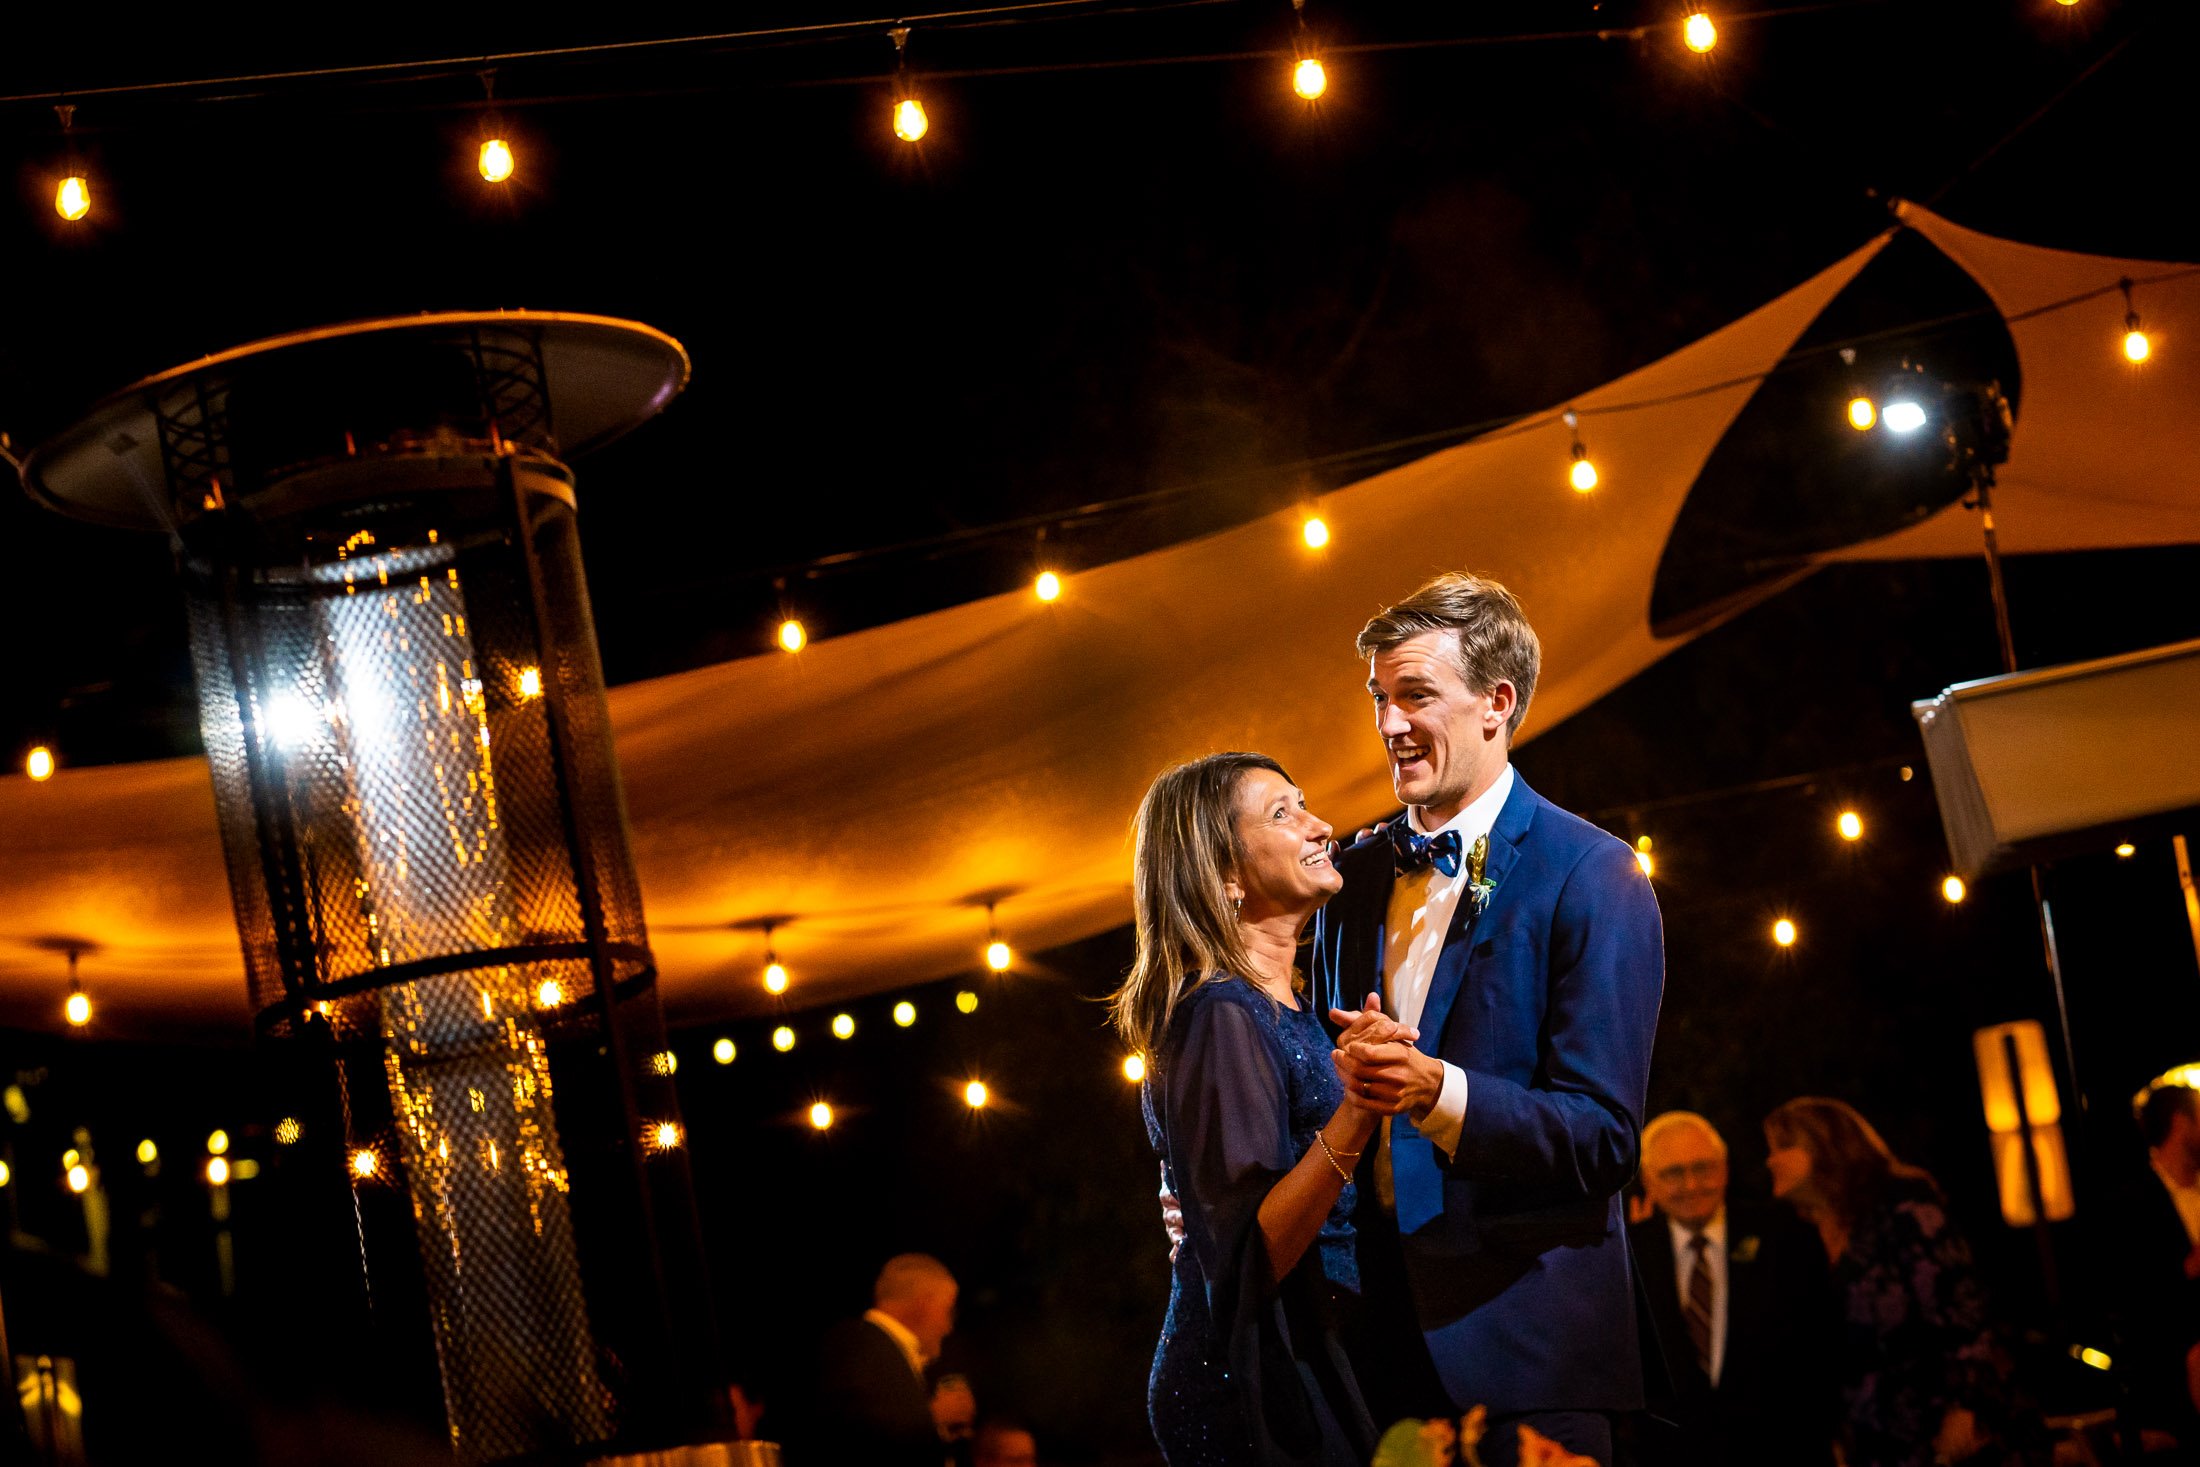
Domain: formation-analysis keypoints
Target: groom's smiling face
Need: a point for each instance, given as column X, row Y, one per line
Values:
column 1446, row 741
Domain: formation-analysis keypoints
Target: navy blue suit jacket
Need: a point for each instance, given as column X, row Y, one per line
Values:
column 1548, row 1000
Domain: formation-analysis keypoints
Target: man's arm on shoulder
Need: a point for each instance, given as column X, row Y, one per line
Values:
column 1579, row 1128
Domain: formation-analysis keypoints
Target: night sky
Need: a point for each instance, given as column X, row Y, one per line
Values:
column 1109, row 271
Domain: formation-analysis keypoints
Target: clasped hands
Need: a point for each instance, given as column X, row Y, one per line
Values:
column 1382, row 1071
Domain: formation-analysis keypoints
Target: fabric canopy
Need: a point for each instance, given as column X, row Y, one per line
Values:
column 872, row 794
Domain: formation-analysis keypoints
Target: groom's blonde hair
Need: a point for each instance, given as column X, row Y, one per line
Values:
column 1495, row 643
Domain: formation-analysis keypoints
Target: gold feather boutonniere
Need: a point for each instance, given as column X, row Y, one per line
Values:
column 1745, row 1251
column 1479, row 887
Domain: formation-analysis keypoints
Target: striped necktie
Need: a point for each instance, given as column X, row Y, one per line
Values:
column 1696, row 1307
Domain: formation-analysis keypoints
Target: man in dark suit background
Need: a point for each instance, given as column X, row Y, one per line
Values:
column 1524, row 945
column 871, row 1403
column 1743, row 1303
column 2154, row 1263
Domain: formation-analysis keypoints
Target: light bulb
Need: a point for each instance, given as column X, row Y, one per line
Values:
column 78, row 1009
column 905, row 1013
column 1583, row 475
column 73, row 200
column 821, row 1116
column 530, row 682
column 910, row 123
column 775, row 977
column 844, row 1026
column 1134, row 1067
column 665, row 1136
column 148, row 1152
column 1310, row 78
column 998, row 956
column 1647, row 862
column 1903, row 417
column 966, row 1001
column 551, row 994
column 80, row 1178
column 365, row 1164
column 782, row 1039
column 2136, row 346
column 38, row 764
column 288, row 1131
column 792, row 638
column 495, row 161
column 1953, row 889
column 1783, row 932
column 217, row 1171
column 974, row 1095
column 723, row 1051
column 1047, row 587
column 5, row 1173
column 1316, row 531
column 218, row 1144
column 2126, row 851
column 1700, row 34
column 1851, row 825
column 1862, row 414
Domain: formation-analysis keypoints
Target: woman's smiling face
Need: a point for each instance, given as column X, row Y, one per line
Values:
column 1284, row 863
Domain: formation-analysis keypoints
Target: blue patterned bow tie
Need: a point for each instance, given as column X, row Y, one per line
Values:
column 1411, row 852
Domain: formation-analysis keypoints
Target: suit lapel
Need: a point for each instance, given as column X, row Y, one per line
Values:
column 1506, row 835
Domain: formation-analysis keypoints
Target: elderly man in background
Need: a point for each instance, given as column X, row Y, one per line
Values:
column 1742, row 1299
column 872, row 1403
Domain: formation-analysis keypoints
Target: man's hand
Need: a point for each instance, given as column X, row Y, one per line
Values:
column 1369, row 1024
column 1389, row 1078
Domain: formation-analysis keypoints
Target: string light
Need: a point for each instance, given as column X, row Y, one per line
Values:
column 1862, row 414
column 77, row 1008
column 218, row 1144
column 665, row 1136
column 1643, row 858
column 910, row 123
column 148, row 1152
column 80, row 1178
column 530, row 682
column 975, row 1095
column 1851, row 825
column 1953, row 890
column 821, row 1116
column 905, row 1013
column 1309, row 78
column 664, row 1062
column 2136, row 346
column 1315, row 531
column 723, row 1051
column 495, row 160
column 1903, row 417
column 2126, row 851
column 782, row 1039
column 1583, row 474
column 39, row 764
column 792, row 636
column 288, row 1132
column 365, row 1164
column 1048, row 587
column 72, row 198
column 998, row 956
column 775, row 972
column 5, row 1174
column 1783, row 932
column 966, row 1001
column 1699, row 33
column 844, row 1026
column 1134, row 1067
column 217, row 1171
column 550, row 994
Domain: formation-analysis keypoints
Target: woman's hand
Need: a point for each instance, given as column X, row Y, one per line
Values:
column 1368, row 1023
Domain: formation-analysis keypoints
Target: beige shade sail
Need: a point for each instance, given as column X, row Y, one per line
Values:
column 874, row 792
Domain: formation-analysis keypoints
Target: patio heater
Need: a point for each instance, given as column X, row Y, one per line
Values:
column 401, row 700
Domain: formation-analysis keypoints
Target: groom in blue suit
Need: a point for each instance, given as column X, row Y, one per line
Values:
column 1524, row 945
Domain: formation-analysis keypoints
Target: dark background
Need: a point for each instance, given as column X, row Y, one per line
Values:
column 1092, row 282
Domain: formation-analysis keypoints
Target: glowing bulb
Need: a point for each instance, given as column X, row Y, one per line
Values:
column 218, row 1144
column 905, row 1013
column 551, row 994
column 792, row 638
column 910, row 123
column 530, row 682
column 1851, row 825
column 1953, row 889
column 664, row 1062
column 1584, row 473
column 2136, row 346
column 39, row 763
column 217, row 1171
column 287, row 1131
column 4, row 1174
column 73, row 200
column 70, row 1158
column 364, row 1163
column 80, row 1178
column 1048, row 587
column 966, row 1001
column 495, row 162
column 844, row 1026
column 1647, row 862
column 1700, row 34
column 1310, row 78
column 1783, row 932
column 78, row 1009
column 2126, row 851
column 723, row 1051
column 1903, row 417
column 665, row 1135
column 1134, row 1067
column 997, row 956
column 821, row 1116
column 782, row 1039
column 775, row 977
column 2087, row 1355
column 1862, row 414
column 147, row 1152
column 1316, row 532
column 974, row 1095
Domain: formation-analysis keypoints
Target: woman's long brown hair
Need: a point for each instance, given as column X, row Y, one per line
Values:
column 1849, row 1160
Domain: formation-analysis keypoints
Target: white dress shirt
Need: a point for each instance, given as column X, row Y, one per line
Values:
column 1421, row 909
column 902, row 1335
column 2187, row 1200
column 1714, row 1259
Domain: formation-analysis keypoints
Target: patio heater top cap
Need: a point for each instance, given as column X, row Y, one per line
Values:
column 142, row 451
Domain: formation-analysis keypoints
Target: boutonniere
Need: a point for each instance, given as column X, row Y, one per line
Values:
column 1745, row 1251
column 1479, row 887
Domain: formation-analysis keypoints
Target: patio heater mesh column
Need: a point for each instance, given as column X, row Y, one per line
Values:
column 404, row 713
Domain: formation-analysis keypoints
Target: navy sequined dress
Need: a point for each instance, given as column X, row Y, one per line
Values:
column 1249, row 1372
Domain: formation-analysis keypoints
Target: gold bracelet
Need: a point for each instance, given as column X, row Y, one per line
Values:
column 1323, row 1142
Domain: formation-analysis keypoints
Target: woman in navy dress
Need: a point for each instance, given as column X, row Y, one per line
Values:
column 1246, row 1112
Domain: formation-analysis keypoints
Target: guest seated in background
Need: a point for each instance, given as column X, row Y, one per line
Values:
column 2154, row 1262
column 871, row 1403
column 1001, row 1442
column 1743, row 1307
column 1925, row 1379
